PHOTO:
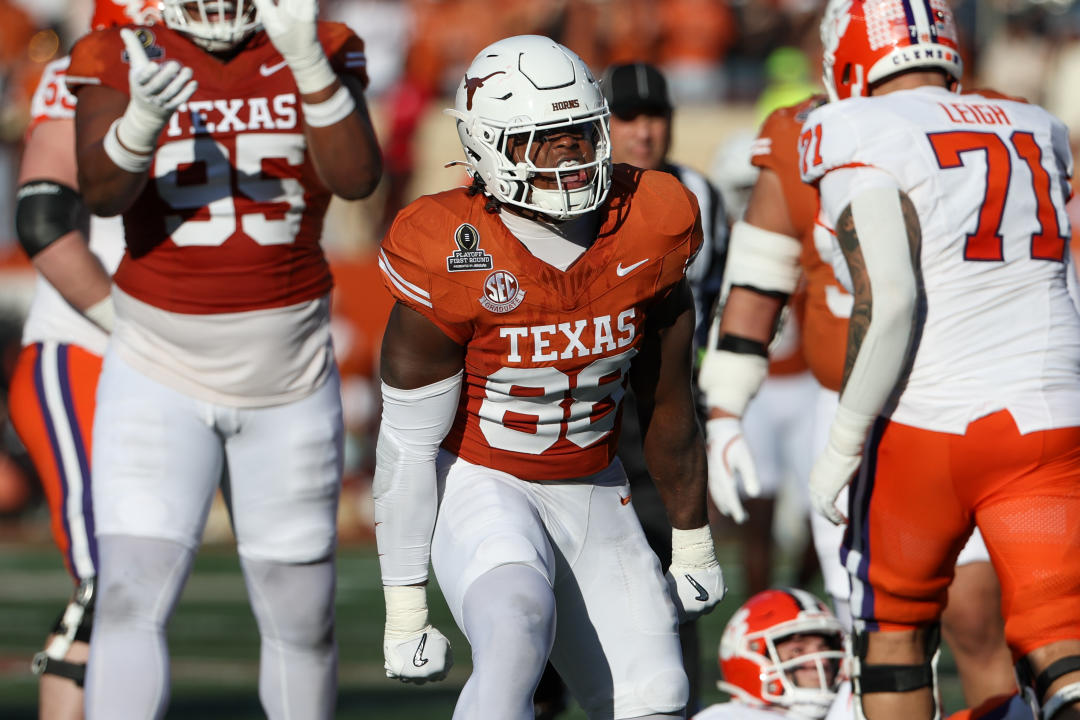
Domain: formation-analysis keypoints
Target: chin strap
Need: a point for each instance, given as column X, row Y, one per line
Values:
column 73, row 625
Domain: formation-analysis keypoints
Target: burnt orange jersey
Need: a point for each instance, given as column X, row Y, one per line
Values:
column 231, row 215
column 824, row 333
column 547, row 352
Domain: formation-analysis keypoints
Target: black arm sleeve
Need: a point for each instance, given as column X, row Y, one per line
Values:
column 45, row 211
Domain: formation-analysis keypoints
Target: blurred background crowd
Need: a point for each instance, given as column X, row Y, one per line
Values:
column 728, row 63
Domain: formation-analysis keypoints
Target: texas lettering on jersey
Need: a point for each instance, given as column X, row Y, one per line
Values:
column 548, row 352
column 231, row 216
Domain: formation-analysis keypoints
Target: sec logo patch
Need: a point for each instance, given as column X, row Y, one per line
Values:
column 501, row 292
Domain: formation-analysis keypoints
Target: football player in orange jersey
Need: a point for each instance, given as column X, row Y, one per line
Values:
column 525, row 304
column 766, row 259
column 961, row 391
column 219, row 137
column 51, row 400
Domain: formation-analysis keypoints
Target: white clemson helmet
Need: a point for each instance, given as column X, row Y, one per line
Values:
column 866, row 41
column 750, row 663
column 214, row 25
column 526, row 85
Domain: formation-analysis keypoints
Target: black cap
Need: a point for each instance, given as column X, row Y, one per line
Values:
column 635, row 87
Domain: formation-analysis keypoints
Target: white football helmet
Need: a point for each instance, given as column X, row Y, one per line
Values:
column 750, row 662
column 526, row 85
column 214, row 25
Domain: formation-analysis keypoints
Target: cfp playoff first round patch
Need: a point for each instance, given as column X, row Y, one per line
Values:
column 468, row 256
column 148, row 41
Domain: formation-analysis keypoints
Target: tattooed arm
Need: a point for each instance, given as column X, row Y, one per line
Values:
column 880, row 237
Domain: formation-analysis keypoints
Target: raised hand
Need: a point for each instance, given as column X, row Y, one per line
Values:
column 292, row 28
column 156, row 91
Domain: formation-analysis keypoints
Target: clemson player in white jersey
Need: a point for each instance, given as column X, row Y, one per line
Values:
column 778, row 238
column 218, row 136
column 782, row 655
column 522, row 301
column 961, row 397
column 51, row 400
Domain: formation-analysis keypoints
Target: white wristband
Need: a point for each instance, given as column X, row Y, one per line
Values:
column 122, row 157
column 330, row 111
column 693, row 548
column 730, row 380
column 102, row 313
column 312, row 73
column 406, row 609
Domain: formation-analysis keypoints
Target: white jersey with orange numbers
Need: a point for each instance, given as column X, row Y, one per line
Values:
column 50, row 316
column 989, row 180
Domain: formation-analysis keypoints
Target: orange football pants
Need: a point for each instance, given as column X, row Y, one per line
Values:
column 52, row 409
column 913, row 505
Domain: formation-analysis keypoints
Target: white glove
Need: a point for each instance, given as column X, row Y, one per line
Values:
column 837, row 464
column 156, row 92
column 413, row 650
column 831, row 474
column 292, row 28
column 694, row 578
column 730, row 463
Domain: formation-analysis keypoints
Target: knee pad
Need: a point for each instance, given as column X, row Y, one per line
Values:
column 666, row 692
column 1068, row 695
column 73, row 625
column 867, row 678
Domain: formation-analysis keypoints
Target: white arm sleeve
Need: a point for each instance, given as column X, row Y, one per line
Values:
column 879, row 222
column 414, row 423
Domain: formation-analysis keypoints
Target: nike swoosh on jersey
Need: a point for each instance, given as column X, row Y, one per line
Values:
column 268, row 70
column 621, row 271
column 418, row 659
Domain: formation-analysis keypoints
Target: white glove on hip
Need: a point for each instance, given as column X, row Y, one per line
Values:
column 730, row 463
column 413, row 650
column 694, row 578
column 292, row 28
column 156, row 92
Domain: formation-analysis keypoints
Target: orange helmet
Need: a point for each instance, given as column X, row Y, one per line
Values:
column 112, row 13
column 750, row 662
column 866, row 41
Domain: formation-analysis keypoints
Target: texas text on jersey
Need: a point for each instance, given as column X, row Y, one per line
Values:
column 231, row 217
column 548, row 352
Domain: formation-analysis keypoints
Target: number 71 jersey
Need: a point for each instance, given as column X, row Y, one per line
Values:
column 989, row 179
column 232, row 212
column 547, row 352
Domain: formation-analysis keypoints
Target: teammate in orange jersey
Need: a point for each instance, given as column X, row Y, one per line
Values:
column 219, row 137
column 961, row 392
column 521, row 302
column 64, row 337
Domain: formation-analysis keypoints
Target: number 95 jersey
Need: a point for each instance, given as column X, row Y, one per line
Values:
column 547, row 352
column 231, row 215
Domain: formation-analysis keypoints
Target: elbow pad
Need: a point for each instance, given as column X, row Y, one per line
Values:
column 761, row 259
column 45, row 211
column 414, row 423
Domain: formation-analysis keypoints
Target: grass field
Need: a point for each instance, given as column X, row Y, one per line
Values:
column 214, row 643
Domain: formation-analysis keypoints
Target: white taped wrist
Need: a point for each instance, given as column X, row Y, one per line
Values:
column 121, row 156
column 330, row 111
column 313, row 72
column 849, row 430
column 102, row 313
column 693, row 548
column 406, row 609
column 762, row 259
column 730, row 380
